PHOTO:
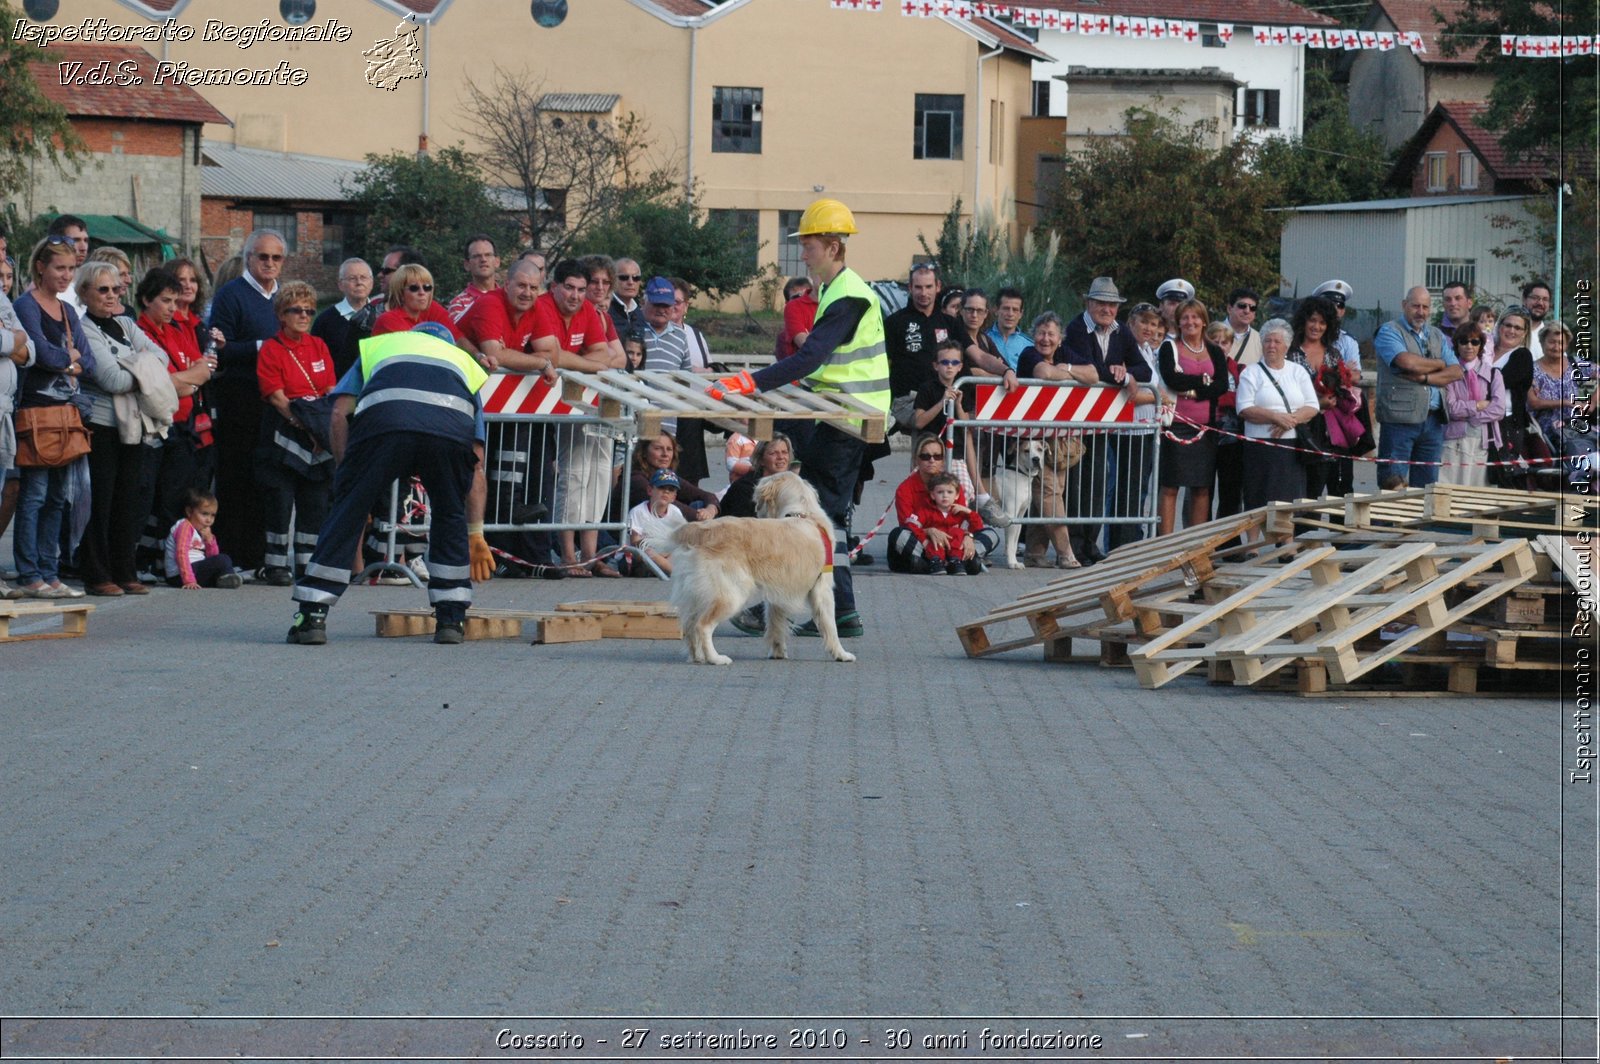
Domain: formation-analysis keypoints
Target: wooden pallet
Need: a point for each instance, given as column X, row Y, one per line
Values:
column 1069, row 604
column 74, row 619
column 550, row 627
column 657, row 396
column 622, row 619
column 1482, row 512
column 1258, row 633
column 1574, row 557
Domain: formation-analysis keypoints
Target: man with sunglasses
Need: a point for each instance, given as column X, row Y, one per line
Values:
column 1243, row 303
column 243, row 311
column 626, row 313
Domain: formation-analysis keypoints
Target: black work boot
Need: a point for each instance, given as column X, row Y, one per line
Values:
column 310, row 628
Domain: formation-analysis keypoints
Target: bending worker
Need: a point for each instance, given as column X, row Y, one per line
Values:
column 843, row 353
column 415, row 397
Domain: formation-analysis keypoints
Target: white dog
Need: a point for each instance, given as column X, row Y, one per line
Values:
column 784, row 557
column 1016, row 466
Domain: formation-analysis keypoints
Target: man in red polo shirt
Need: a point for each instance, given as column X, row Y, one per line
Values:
column 568, row 333
column 501, row 322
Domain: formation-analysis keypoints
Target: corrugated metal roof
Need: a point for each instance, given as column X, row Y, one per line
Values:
column 257, row 174
column 1402, row 204
column 599, row 103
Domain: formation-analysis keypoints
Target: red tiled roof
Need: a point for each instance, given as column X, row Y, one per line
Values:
column 1464, row 116
column 1238, row 12
column 1417, row 16
column 1007, row 37
column 167, row 102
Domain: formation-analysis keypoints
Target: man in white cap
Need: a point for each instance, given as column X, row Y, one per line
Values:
column 1169, row 296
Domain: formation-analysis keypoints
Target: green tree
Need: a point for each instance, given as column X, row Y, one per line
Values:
column 35, row 128
column 1334, row 162
column 1539, row 107
column 978, row 254
column 676, row 238
column 575, row 171
column 433, row 203
column 1159, row 201
column 1530, row 238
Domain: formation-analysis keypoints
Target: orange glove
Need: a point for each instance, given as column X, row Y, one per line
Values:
column 481, row 557
column 743, row 384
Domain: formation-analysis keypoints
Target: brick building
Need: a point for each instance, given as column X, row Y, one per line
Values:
column 143, row 141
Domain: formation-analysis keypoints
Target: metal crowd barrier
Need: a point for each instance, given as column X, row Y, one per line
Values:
column 539, row 453
column 1077, row 451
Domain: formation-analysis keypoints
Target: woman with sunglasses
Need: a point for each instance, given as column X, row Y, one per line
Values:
column 293, row 470
column 125, row 436
column 411, row 303
column 1475, row 404
column 905, row 550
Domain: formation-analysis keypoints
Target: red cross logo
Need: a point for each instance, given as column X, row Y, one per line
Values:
column 1190, row 32
column 1278, row 36
column 1352, row 40
column 1052, row 20
column 1570, row 45
column 1102, row 24
column 1314, row 39
column 1262, row 36
column 1297, row 35
column 1138, row 30
column 1225, row 33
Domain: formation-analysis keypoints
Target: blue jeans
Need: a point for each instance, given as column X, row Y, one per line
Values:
column 36, row 535
column 1416, row 444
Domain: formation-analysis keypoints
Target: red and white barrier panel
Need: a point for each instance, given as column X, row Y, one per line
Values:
column 1034, row 407
column 527, row 393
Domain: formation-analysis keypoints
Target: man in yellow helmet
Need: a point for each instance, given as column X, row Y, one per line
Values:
column 844, row 353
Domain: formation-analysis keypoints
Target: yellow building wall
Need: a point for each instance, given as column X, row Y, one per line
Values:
column 839, row 90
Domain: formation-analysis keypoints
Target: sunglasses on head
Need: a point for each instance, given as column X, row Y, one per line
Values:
column 419, row 288
column 62, row 240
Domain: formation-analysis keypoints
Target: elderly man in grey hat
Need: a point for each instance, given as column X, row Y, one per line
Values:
column 1099, row 350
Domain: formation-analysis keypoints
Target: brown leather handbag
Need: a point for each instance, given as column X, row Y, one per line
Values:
column 50, row 436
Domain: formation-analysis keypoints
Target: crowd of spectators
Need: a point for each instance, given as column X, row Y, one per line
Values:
column 192, row 422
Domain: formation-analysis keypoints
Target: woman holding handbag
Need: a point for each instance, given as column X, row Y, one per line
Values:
column 51, row 437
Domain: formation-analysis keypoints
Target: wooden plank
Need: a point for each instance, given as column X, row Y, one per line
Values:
column 491, row 624
column 74, row 619
column 626, row 619
column 1574, row 559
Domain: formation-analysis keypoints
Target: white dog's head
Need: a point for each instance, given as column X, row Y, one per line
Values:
column 786, row 495
column 1031, row 460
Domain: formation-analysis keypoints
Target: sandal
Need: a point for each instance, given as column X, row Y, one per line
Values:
column 577, row 569
column 1068, row 563
column 600, row 568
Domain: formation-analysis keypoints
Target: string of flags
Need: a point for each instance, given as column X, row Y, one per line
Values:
column 1134, row 27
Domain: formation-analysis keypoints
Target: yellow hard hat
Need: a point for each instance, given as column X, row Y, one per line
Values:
column 826, row 216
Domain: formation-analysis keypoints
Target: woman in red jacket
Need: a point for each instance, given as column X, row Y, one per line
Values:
column 293, row 470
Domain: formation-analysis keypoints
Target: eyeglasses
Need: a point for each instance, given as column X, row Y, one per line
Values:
column 1514, row 326
column 299, row 310
column 264, row 257
column 630, row 276
column 419, row 288
column 949, row 362
column 931, row 456
column 974, row 310
column 1249, row 308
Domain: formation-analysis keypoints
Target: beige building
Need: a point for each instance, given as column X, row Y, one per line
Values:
column 763, row 104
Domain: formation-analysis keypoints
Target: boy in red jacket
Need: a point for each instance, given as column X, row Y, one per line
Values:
column 956, row 521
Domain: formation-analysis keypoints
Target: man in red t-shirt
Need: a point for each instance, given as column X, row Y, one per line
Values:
column 568, row 333
column 502, row 323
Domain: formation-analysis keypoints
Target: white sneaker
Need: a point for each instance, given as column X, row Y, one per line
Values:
column 63, row 591
column 9, row 592
column 420, row 567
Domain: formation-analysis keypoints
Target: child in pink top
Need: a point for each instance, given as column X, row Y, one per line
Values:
column 194, row 560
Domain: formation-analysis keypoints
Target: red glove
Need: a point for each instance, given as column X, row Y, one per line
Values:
column 743, row 384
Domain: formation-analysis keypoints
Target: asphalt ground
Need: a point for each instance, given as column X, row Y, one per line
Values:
column 205, row 822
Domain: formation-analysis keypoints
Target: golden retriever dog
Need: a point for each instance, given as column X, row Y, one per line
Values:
column 784, row 557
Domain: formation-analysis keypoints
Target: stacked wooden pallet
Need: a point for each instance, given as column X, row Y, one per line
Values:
column 569, row 622
column 74, row 619
column 1402, row 587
